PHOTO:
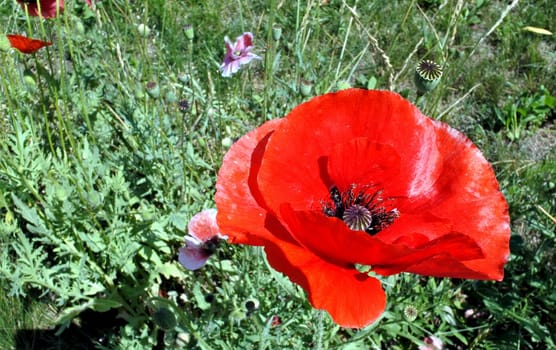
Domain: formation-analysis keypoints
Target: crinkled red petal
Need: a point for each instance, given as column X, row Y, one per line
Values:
column 26, row 45
column 468, row 195
column 352, row 299
column 331, row 240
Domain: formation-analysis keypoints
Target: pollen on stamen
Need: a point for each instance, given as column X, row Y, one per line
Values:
column 357, row 217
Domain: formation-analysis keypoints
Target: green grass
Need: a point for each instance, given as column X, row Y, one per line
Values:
column 98, row 177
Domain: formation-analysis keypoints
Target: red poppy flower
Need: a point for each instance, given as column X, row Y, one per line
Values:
column 25, row 44
column 362, row 177
column 45, row 8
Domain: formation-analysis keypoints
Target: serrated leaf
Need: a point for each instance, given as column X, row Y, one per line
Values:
column 29, row 214
column 104, row 304
column 179, row 221
column 170, row 269
column 70, row 313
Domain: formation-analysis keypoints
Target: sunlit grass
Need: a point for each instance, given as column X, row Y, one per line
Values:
column 99, row 175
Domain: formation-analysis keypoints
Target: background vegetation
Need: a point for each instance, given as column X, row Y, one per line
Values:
column 111, row 139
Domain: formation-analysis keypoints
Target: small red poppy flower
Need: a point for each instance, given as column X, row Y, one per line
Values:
column 25, row 44
column 361, row 177
column 45, row 8
column 202, row 241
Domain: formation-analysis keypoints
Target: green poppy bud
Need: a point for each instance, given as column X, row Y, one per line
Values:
column 305, row 88
column 188, row 30
column 170, row 97
column 165, row 318
column 227, row 142
column 4, row 43
column 139, row 92
column 153, row 89
column 143, row 30
column 276, row 32
column 183, row 77
column 29, row 81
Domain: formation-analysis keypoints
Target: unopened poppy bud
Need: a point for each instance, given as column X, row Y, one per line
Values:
column 4, row 43
column 165, row 318
column 237, row 315
column 275, row 321
column 153, row 89
column 139, row 92
column 170, row 97
column 305, row 88
column 78, row 25
column 188, row 30
column 29, row 81
column 143, row 30
column 276, row 32
column 227, row 142
column 184, row 78
column 427, row 75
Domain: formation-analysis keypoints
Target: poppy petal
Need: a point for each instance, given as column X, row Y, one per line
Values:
column 468, row 185
column 314, row 129
column 203, row 225
column 244, row 41
column 337, row 244
column 352, row 299
column 26, row 45
column 192, row 258
column 240, row 215
column 376, row 163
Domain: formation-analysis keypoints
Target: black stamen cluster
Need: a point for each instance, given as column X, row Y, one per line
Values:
column 339, row 202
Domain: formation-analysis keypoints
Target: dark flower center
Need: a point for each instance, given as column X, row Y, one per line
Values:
column 28, row 1
column 361, row 210
column 209, row 247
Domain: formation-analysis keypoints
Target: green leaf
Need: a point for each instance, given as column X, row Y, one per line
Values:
column 104, row 304
column 29, row 214
column 171, row 269
column 200, row 298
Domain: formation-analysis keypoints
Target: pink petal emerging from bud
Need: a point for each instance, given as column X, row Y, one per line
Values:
column 202, row 241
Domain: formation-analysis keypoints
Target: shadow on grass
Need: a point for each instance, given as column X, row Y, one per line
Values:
column 94, row 330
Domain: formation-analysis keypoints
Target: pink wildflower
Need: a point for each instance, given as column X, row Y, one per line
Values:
column 202, row 240
column 237, row 54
